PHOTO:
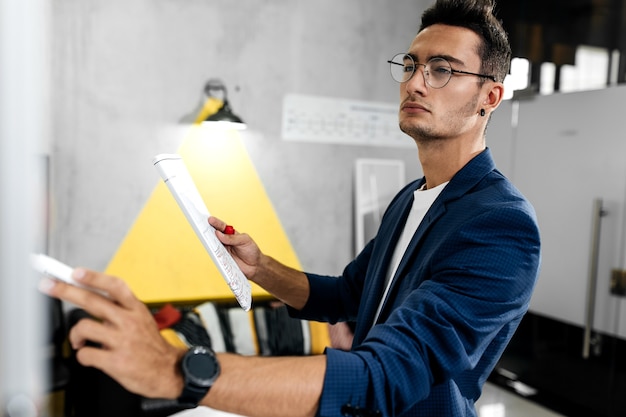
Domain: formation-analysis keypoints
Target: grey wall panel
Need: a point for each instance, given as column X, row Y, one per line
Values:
column 124, row 74
column 570, row 150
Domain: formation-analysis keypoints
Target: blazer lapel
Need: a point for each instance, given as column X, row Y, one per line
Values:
column 435, row 211
column 459, row 185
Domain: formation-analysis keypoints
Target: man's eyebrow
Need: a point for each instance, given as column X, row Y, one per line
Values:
column 448, row 58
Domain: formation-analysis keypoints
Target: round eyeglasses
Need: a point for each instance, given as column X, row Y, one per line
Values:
column 437, row 71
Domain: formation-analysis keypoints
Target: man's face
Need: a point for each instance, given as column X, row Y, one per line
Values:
column 427, row 113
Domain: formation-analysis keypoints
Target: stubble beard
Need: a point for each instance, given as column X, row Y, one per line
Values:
column 419, row 133
column 430, row 133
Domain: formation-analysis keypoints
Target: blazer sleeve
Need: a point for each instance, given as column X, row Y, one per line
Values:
column 336, row 298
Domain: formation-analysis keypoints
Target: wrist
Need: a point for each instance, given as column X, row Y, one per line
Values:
column 178, row 382
column 166, row 380
column 263, row 266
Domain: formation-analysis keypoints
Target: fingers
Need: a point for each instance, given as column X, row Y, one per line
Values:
column 221, row 226
column 134, row 354
column 217, row 223
column 116, row 288
column 123, row 339
column 118, row 294
column 88, row 331
column 80, row 297
column 93, row 357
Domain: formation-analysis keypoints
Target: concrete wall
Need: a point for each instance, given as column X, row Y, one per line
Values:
column 126, row 72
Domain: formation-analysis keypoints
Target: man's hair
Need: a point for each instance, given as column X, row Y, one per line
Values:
column 477, row 16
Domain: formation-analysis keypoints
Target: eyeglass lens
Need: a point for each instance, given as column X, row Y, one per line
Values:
column 437, row 71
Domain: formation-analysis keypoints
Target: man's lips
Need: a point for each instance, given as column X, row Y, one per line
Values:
column 412, row 107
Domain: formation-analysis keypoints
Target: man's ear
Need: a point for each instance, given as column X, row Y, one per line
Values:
column 494, row 97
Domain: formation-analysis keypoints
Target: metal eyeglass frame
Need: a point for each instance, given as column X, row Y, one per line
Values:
column 427, row 75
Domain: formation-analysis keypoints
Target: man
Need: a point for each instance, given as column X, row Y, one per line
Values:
column 436, row 296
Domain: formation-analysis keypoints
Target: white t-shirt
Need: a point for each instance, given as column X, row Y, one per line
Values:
column 422, row 200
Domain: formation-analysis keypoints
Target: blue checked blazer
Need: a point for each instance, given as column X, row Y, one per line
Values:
column 458, row 295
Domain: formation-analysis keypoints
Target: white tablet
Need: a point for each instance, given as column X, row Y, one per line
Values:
column 52, row 268
column 55, row 269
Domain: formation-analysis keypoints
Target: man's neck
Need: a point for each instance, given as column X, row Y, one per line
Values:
column 442, row 159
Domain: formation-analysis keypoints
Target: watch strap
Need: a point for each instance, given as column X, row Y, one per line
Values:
column 192, row 396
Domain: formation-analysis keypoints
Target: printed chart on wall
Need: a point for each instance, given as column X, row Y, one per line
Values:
column 342, row 121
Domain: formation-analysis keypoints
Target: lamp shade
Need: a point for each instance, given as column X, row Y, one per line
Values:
column 226, row 117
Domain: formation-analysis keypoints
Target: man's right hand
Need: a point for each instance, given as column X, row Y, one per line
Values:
column 241, row 247
column 285, row 283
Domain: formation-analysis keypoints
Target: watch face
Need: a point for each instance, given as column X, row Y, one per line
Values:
column 201, row 366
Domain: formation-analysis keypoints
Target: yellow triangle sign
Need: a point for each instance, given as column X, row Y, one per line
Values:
column 162, row 259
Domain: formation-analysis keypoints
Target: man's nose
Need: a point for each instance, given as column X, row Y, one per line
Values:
column 417, row 83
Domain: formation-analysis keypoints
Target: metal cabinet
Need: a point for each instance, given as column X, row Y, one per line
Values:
column 570, row 161
column 567, row 154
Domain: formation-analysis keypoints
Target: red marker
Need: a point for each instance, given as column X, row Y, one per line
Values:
column 229, row 230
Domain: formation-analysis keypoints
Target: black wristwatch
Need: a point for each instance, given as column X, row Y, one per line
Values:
column 200, row 369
